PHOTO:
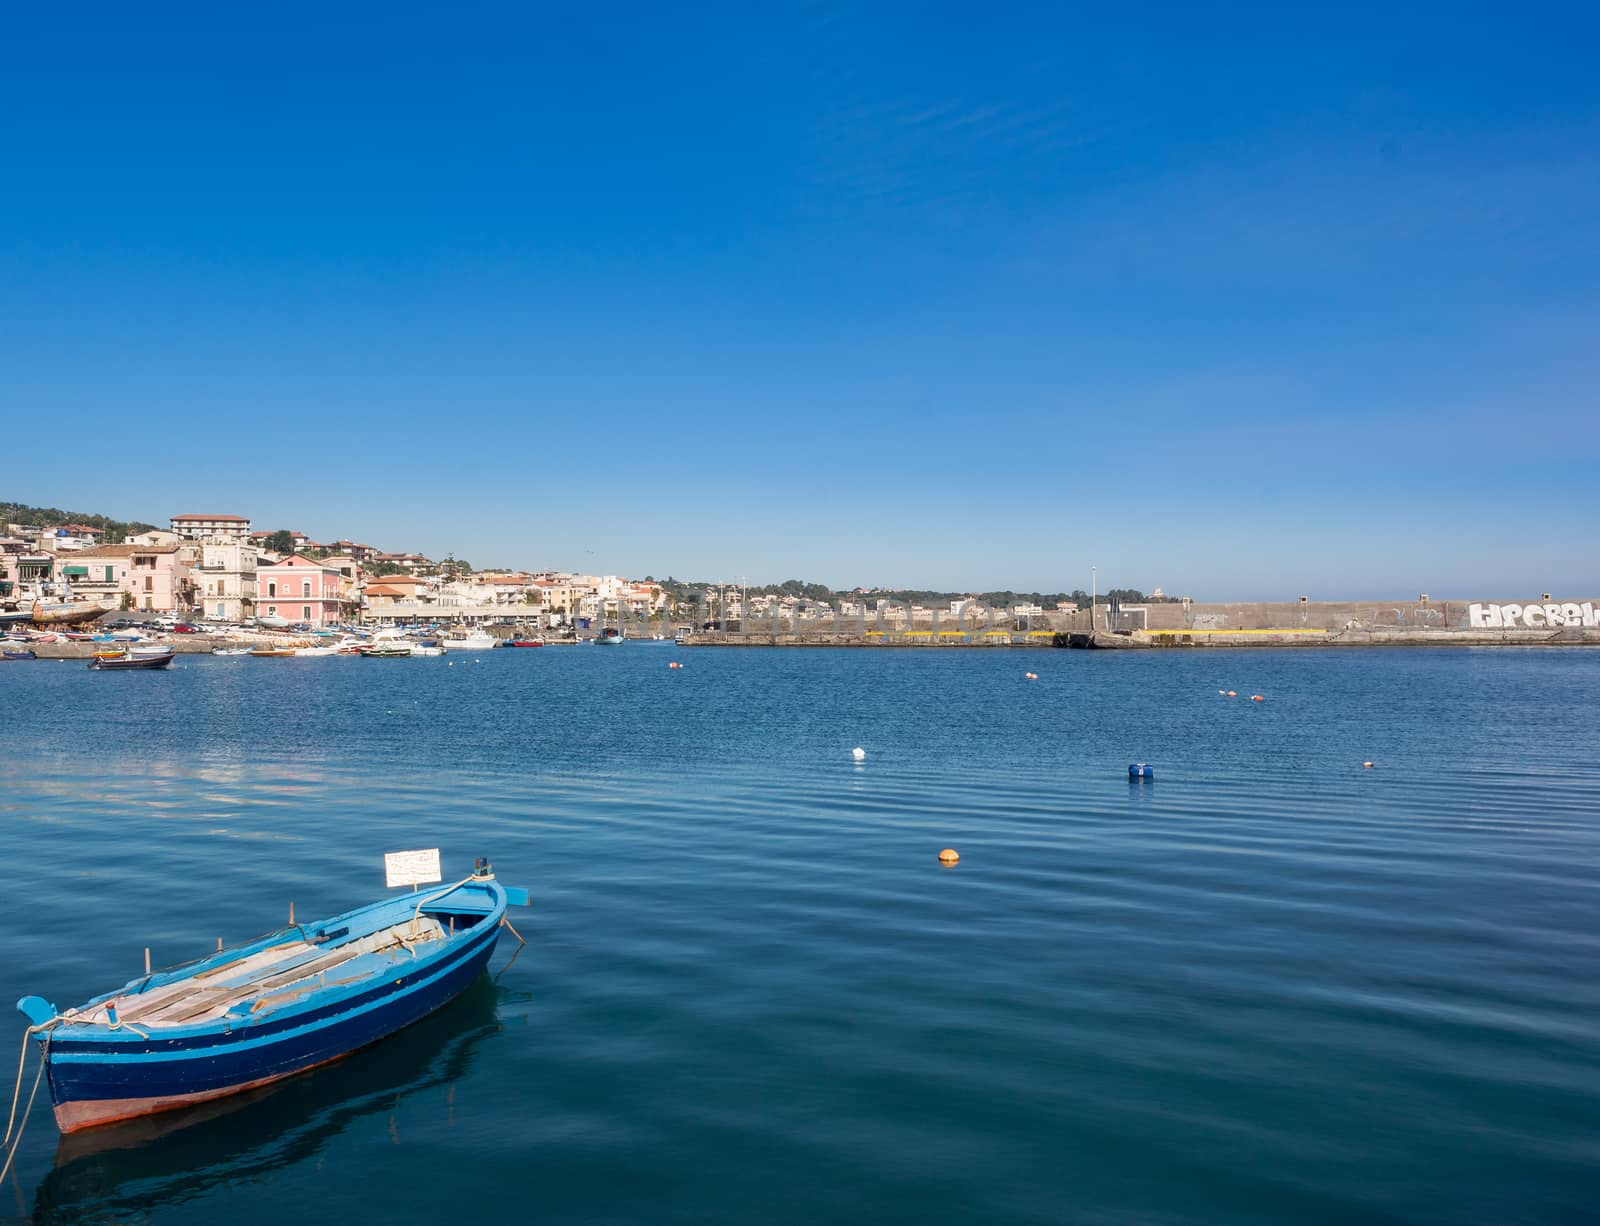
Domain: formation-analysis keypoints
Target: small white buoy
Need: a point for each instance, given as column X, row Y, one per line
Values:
column 859, row 754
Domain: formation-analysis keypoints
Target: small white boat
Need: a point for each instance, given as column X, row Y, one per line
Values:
column 471, row 640
column 422, row 649
column 230, row 651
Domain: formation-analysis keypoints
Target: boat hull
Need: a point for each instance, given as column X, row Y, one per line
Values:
column 66, row 614
column 91, row 1085
column 130, row 661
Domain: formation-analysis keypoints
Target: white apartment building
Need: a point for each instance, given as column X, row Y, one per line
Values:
column 227, row 577
column 210, row 527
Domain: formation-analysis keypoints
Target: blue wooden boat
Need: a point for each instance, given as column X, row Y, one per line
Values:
column 608, row 637
column 292, row 1000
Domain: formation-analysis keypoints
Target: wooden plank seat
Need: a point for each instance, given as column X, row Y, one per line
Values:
column 266, row 974
column 138, row 1004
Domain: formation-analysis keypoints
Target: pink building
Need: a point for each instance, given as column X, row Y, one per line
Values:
column 148, row 578
column 299, row 588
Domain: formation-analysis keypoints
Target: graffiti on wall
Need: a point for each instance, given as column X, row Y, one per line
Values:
column 1531, row 616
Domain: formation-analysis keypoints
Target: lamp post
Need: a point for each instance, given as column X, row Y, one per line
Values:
column 1094, row 591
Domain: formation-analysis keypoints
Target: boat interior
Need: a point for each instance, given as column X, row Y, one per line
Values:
column 244, row 984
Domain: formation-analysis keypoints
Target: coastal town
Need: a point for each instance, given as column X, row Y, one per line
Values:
column 217, row 568
column 220, row 569
column 218, row 574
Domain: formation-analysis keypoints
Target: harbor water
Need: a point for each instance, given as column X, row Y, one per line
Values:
column 1267, row 984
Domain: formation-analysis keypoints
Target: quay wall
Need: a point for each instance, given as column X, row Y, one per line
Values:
column 1528, row 621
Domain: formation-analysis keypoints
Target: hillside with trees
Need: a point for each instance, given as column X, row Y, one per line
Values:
column 116, row 530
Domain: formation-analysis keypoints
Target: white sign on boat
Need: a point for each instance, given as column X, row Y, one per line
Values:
column 411, row 867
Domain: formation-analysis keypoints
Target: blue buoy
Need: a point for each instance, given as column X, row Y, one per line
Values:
column 1140, row 771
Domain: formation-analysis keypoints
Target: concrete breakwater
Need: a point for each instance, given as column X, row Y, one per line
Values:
column 1184, row 624
column 927, row 639
column 1354, row 637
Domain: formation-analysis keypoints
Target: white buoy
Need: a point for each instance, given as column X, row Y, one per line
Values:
column 859, row 754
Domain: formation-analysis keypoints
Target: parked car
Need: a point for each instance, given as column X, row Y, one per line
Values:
column 186, row 628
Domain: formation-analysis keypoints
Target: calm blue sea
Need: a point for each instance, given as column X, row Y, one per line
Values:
column 1267, row 986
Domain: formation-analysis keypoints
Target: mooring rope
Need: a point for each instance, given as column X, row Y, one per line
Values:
column 22, row 1063
column 427, row 898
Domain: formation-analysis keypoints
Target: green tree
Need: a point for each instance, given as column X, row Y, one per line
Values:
column 281, row 541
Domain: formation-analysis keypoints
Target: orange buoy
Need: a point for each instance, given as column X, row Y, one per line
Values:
column 1031, row 676
column 674, row 664
column 1233, row 693
column 1366, row 766
column 949, row 856
column 1257, row 698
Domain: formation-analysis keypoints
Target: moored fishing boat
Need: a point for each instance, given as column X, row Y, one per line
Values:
column 230, row 651
column 146, row 658
column 524, row 642
column 18, row 653
column 241, row 1018
column 268, row 652
column 388, row 649
column 608, row 637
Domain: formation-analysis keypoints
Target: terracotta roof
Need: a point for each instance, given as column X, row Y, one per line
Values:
column 289, row 560
column 118, row 551
column 231, row 519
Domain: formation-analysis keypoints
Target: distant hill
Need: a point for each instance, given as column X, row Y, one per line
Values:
column 681, row 590
column 116, row 530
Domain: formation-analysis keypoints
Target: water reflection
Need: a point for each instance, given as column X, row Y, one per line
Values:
column 139, row 1166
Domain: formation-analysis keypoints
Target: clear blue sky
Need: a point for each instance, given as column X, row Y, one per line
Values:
column 1242, row 303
